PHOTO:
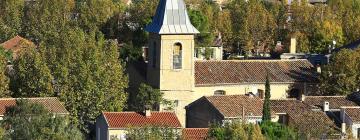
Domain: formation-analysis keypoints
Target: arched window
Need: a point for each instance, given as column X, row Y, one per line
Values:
column 177, row 56
column 219, row 92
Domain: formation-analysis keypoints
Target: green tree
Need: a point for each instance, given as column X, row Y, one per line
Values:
column 4, row 79
column 153, row 133
column 42, row 125
column 235, row 130
column 45, row 19
column 11, row 14
column 32, row 77
column 266, row 107
column 341, row 76
column 272, row 130
column 93, row 14
column 146, row 96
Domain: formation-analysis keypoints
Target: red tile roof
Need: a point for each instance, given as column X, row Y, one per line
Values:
column 301, row 116
column 51, row 103
column 133, row 119
column 232, row 105
column 16, row 44
column 335, row 102
column 234, row 72
column 194, row 133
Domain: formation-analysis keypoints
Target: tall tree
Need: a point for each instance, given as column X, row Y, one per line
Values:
column 32, row 77
column 45, row 19
column 11, row 14
column 4, row 79
column 341, row 76
column 266, row 107
column 42, row 125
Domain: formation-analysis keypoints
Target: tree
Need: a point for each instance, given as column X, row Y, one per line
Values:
column 11, row 14
column 341, row 76
column 45, row 19
column 42, row 125
column 32, row 77
column 153, row 133
column 272, row 130
column 266, row 107
column 146, row 96
column 93, row 14
column 4, row 79
column 235, row 130
column 83, row 70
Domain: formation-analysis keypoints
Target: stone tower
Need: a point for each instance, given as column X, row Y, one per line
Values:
column 171, row 54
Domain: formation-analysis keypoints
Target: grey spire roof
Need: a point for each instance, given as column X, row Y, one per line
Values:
column 171, row 18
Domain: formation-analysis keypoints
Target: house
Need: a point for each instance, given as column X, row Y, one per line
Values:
column 172, row 67
column 350, row 117
column 224, row 108
column 16, row 44
column 52, row 104
column 296, row 114
column 194, row 133
column 114, row 125
column 328, row 103
column 213, row 52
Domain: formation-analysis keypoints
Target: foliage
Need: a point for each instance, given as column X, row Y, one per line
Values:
column 4, row 79
column 235, row 131
column 266, row 107
column 147, row 96
column 276, row 131
column 341, row 76
column 84, row 71
column 32, row 77
column 32, row 121
column 11, row 14
column 153, row 133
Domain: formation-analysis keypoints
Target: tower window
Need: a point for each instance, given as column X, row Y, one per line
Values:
column 177, row 56
column 154, row 55
column 219, row 92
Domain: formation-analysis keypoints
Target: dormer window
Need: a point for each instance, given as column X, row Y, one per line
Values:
column 177, row 56
column 219, row 92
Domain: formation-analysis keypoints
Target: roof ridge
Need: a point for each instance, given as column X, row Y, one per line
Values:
column 28, row 98
column 350, row 107
column 323, row 96
column 254, row 60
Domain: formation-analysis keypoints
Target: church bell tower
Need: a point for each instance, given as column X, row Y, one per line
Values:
column 171, row 48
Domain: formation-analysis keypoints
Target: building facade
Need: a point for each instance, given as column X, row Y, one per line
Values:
column 173, row 68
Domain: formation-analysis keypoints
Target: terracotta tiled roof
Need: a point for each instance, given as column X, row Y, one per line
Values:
column 133, row 119
column 16, row 44
column 194, row 133
column 253, row 71
column 51, row 103
column 335, row 102
column 301, row 116
column 288, row 105
column 353, row 113
column 232, row 105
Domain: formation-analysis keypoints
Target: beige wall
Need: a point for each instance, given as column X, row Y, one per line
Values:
column 278, row 91
column 118, row 133
column 163, row 75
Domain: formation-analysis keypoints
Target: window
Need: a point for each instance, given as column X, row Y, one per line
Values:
column 219, row 92
column 177, row 56
column 261, row 94
column 154, row 55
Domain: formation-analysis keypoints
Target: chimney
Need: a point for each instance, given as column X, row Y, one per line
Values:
column 147, row 111
column 343, row 128
column 292, row 48
column 318, row 68
column 326, row 106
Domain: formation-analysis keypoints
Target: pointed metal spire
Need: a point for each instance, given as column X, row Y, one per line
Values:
column 171, row 18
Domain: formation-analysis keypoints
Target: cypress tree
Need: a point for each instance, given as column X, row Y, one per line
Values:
column 266, row 107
